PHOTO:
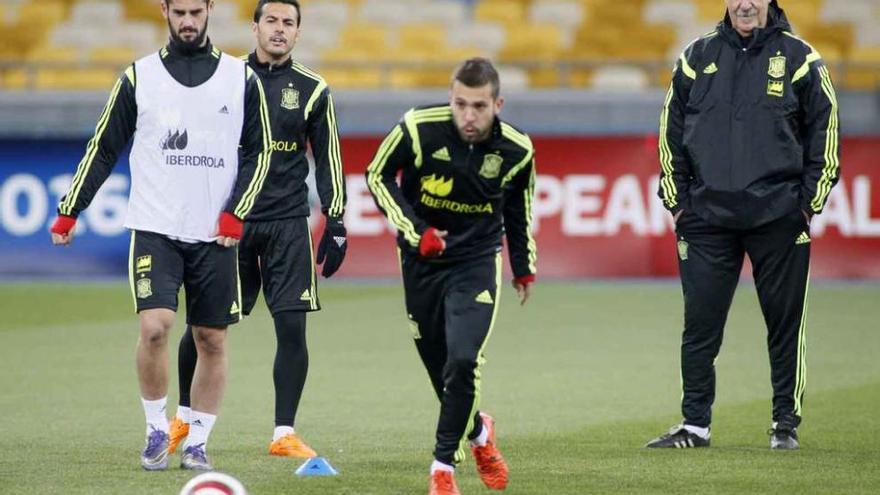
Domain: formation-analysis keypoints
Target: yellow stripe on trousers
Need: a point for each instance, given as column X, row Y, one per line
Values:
column 460, row 453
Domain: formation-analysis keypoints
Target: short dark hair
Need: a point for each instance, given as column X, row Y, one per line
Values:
column 258, row 12
column 476, row 72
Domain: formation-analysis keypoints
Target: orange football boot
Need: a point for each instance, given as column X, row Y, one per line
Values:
column 490, row 464
column 291, row 445
column 443, row 483
column 178, row 430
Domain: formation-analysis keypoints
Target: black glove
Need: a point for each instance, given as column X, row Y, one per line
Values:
column 331, row 250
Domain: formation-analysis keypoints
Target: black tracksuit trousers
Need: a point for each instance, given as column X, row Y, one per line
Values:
column 710, row 262
column 451, row 308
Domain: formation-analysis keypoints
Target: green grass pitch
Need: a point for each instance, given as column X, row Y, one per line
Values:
column 578, row 380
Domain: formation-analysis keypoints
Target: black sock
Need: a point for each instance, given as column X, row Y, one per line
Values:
column 186, row 364
column 291, row 364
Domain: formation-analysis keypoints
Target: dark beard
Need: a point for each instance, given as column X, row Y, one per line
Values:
column 189, row 46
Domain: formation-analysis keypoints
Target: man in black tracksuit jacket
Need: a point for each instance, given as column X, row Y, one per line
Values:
column 276, row 247
column 749, row 152
column 466, row 180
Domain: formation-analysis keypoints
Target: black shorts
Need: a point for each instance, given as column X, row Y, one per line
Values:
column 277, row 255
column 157, row 267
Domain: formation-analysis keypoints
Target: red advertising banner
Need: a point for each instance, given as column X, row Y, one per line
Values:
column 597, row 213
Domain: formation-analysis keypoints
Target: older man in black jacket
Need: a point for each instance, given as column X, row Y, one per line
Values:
column 749, row 152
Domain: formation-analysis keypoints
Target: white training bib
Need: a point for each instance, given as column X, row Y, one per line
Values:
column 184, row 159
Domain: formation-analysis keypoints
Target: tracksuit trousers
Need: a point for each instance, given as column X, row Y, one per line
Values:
column 710, row 260
column 452, row 308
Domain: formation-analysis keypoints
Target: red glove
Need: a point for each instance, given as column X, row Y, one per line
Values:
column 431, row 244
column 525, row 280
column 230, row 226
column 63, row 225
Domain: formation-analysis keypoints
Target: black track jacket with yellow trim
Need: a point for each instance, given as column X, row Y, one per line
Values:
column 118, row 122
column 300, row 110
column 749, row 127
column 476, row 192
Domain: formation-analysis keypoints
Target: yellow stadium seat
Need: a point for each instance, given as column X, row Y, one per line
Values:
column 422, row 37
column 580, row 78
column 348, row 78
column 544, row 78
column 617, row 13
column 662, row 77
column 144, row 11
column 420, row 78
column 658, row 37
column 597, row 39
column 112, row 55
column 454, row 55
column 840, row 35
column 862, row 79
column 533, row 42
column 865, row 55
column 15, row 79
column 75, row 79
column 863, row 73
column 710, row 10
column 503, row 11
column 802, row 12
column 41, row 14
column 360, row 43
column 830, row 52
column 363, row 36
column 55, row 54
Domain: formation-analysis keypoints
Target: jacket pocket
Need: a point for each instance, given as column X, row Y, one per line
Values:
column 778, row 138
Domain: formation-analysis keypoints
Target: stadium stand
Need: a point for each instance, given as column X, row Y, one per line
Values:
column 414, row 43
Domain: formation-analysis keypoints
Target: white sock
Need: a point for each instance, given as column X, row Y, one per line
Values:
column 281, row 431
column 441, row 466
column 200, row 426
column 183, row 413
column 696, row 430
column 154, row 410
column 482, row 439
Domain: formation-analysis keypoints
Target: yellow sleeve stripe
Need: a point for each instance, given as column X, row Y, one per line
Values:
column 528, row 196
column 129, row 73
column 314, row 98
column 414, row 117
column 686, row 67
column 302, row 69
column 517, row 137
column 667, row 184
column 215, row 52
column 383, row 197
column 247, row 200
column 432, row 114
column 409, row 119
column 832, row 142
column 522, row 140
column 82, row 169
column 805, row 67
column 335, row 161
column 516, row 168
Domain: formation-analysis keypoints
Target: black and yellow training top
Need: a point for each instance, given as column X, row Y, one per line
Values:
column 118, row 123
column 749, row 130
column 476, row 192
column 301, row 112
